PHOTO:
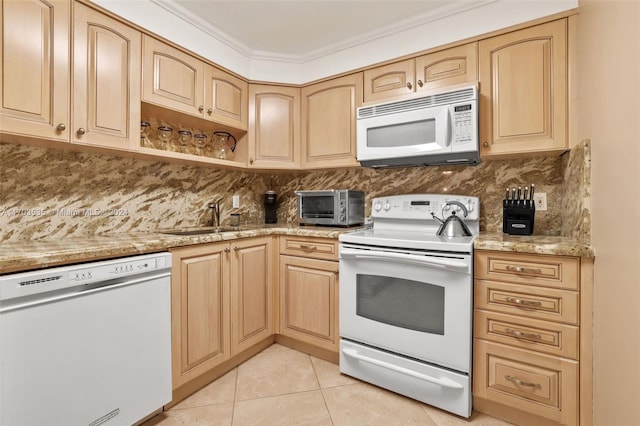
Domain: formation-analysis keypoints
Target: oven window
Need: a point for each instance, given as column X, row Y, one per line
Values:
column 402, row 303
column 317, row 207
column 404, row 134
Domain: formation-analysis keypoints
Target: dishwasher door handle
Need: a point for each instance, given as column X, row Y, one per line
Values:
column 407, row 258
column 440, row 381
column 71, row 295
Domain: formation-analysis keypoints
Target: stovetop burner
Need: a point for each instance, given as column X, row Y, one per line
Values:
column 405, row 221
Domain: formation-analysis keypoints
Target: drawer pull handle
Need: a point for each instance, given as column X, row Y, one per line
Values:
column 308, row 248
column 521, row 383
column 521, row 334
column 524, row 270
column 523, row 302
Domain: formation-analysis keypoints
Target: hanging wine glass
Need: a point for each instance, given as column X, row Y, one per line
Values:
column 184, row 136
column 164, row 134
column 200, row 141
column 145, row 129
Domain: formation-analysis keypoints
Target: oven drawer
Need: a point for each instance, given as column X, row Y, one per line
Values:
column 543, row 336
column 314, row 248
column 540, row 384
column 542, row 270
column 528, row 301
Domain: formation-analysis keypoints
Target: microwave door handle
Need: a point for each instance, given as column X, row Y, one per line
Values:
column 441, row 381
column 448, row 131
column 406, row 258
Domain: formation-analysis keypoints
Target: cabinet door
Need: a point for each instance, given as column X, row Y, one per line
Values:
column 251, row 292
column 329, row 122
column 309, row 301
column 226, row 98
column 106, row 76
column 447, row 67
column 171, row 78
column 200, row 310
column 274, row 127
column 389, row 81
column 523, row 91
column 34, row 76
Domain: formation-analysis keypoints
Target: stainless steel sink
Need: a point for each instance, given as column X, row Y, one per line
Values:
column 201, row 231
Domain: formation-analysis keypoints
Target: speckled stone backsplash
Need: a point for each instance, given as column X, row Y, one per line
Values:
column 488, row 181
column 53, row 194
column 576, row 199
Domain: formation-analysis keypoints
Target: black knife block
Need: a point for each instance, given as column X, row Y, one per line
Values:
column 518, row 217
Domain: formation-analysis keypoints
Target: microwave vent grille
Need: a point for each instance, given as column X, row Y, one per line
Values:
column 417, row 103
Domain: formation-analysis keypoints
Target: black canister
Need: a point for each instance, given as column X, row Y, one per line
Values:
column 270, row 213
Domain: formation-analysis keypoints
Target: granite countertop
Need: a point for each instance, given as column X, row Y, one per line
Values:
column 535, row 244
column 25, row 255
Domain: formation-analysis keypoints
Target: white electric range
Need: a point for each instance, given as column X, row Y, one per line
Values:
column 406, row 300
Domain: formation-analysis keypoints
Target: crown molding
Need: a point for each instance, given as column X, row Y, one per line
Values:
column 386, row 31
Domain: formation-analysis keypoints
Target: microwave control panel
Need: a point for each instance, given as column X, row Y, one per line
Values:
column 465, row 122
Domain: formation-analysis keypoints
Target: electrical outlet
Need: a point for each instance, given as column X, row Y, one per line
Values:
column 540, row 198
column 236, row 201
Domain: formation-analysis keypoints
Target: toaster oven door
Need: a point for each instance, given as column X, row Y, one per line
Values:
column 318, row 207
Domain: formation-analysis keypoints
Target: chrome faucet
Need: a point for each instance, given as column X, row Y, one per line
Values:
column 215, row 212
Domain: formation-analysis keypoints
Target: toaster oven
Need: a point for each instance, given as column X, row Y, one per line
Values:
column 335, row 207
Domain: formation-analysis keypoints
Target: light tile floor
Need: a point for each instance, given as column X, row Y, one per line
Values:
column 281, row 386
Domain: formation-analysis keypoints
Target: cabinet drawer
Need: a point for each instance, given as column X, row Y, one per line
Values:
column 540, row 384
column 315, row 248
column 543, row 336
column 528, row 301
column 548, row 271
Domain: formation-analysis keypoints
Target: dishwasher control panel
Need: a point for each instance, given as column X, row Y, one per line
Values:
column 46, row 280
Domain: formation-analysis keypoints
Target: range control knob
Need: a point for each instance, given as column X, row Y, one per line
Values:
column 377, row 206
column 387, row 206
column 469, row 205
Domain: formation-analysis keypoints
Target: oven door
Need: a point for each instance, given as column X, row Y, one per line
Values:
column 413, row 303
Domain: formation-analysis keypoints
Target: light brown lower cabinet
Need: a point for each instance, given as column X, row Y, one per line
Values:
column 308, row 287
column 532, row 338
column 222, row 304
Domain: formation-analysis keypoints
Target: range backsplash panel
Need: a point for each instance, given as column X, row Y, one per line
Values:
column 51, row 194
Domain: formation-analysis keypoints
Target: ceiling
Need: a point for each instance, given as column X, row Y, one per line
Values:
column 301, row 30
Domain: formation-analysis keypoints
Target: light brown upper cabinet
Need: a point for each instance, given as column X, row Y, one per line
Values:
column 35, row 71
column 226, row 98
column 274, row 127
column 174, row 79
column 424, row 73
column 39, row 91
column 171, row 78
column 106, row 76
column 523, row 92
column 329, row 122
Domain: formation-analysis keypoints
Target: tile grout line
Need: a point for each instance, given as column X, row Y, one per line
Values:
column 313, row 367
column 235, row 393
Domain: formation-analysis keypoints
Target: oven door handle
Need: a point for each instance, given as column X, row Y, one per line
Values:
column 440, row 381
column 402, row 257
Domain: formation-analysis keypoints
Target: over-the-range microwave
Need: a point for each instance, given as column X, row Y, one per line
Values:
column 437, row 129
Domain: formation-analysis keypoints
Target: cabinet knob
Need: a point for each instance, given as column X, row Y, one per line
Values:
column 81, row 131
column 209, row 111
column 485, row 144
column 61, row 127
column 251, row 160
column 420, row 83
column 201, row 108
column 409, row 85
column 227, row 250
column 236, row 248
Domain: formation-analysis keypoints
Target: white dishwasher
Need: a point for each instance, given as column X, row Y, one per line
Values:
column 86, row 344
